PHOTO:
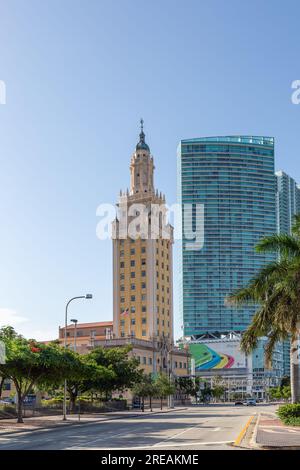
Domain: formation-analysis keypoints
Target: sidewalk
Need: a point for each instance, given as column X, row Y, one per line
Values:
column 11, row 427
column 272, row 433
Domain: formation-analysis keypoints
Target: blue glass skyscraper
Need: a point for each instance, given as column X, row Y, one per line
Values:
column 287, row 206
column 233, row 177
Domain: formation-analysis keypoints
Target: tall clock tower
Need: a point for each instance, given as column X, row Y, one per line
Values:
column 142, row 256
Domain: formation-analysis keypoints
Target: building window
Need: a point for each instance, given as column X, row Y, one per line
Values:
column 132, row 251
column 143, row 273
column 143, row 249
column 122, row 288
column 132, row 309
column 144, row 297
column 150, row 361
column 144, row 308
column 122, row 264
column 133, row 321
column 132, row 275
column 7, row 386
column 132, row 298
column 143, row 262
column 122, row 276
column 122, row 300
column 132, row 287
column 143, row 285
column 122, row 253
column 122, row 322
column 143, row 332
column 144, row 321
column 122, row 334
column 132, row 263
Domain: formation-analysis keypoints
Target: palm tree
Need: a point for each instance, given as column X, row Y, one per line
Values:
column 276, row 292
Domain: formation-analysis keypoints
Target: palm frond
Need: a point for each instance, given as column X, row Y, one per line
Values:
column 283, row 244
column 258, row 287
column 274, row 337
column 296, row 225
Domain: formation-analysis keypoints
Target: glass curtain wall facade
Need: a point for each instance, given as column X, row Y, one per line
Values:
column 287, row 206
column 233, row 178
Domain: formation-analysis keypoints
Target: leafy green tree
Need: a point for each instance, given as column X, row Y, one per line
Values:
column 276, row 292
column 217, row 390
column 30, row 364
column 164, row 387
column 124, row 369
column 186, row 386
column 277, row 393
column 145, row 387
column 91, row 377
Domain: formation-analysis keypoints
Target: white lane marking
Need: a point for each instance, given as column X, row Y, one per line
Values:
column 131, row 431
column 216, row 429
column 176, row 435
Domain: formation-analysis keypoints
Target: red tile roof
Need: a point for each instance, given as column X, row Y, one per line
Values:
column 90, row 325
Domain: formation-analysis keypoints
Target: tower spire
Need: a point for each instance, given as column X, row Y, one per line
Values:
column 142, row 144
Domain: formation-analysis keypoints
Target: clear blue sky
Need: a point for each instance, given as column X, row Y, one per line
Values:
column 79, row 75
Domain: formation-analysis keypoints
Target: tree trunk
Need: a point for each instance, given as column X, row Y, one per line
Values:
column 150, row 398
column 20, row 408
column 161, row 403
column 295, row 368
column 1, row 385
column 72, row 402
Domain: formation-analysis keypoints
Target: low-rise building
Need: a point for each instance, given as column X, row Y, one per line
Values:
column 154, row 356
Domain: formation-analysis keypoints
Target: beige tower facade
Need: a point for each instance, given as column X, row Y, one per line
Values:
column 142, row 256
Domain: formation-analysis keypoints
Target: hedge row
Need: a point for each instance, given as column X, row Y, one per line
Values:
column 290, row 414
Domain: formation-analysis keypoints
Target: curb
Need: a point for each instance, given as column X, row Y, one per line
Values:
column 256, row 445
column 253, row 443
column 86, row 423
column 241, row 435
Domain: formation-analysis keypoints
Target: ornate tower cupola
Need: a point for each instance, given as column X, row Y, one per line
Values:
column 141, row 167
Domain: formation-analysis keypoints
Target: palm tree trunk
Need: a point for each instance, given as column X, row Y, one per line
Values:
column 295, row 367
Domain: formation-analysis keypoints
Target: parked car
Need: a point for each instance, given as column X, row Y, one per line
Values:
column 6, row 401
column 251, row 402
column 238, row 402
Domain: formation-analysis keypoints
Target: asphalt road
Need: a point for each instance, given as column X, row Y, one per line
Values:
column 196, row 428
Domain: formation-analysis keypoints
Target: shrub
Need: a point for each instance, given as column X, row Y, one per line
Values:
column 290, row 414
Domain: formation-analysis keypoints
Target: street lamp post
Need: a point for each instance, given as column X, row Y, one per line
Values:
column 73, row 320
column 87, row 296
